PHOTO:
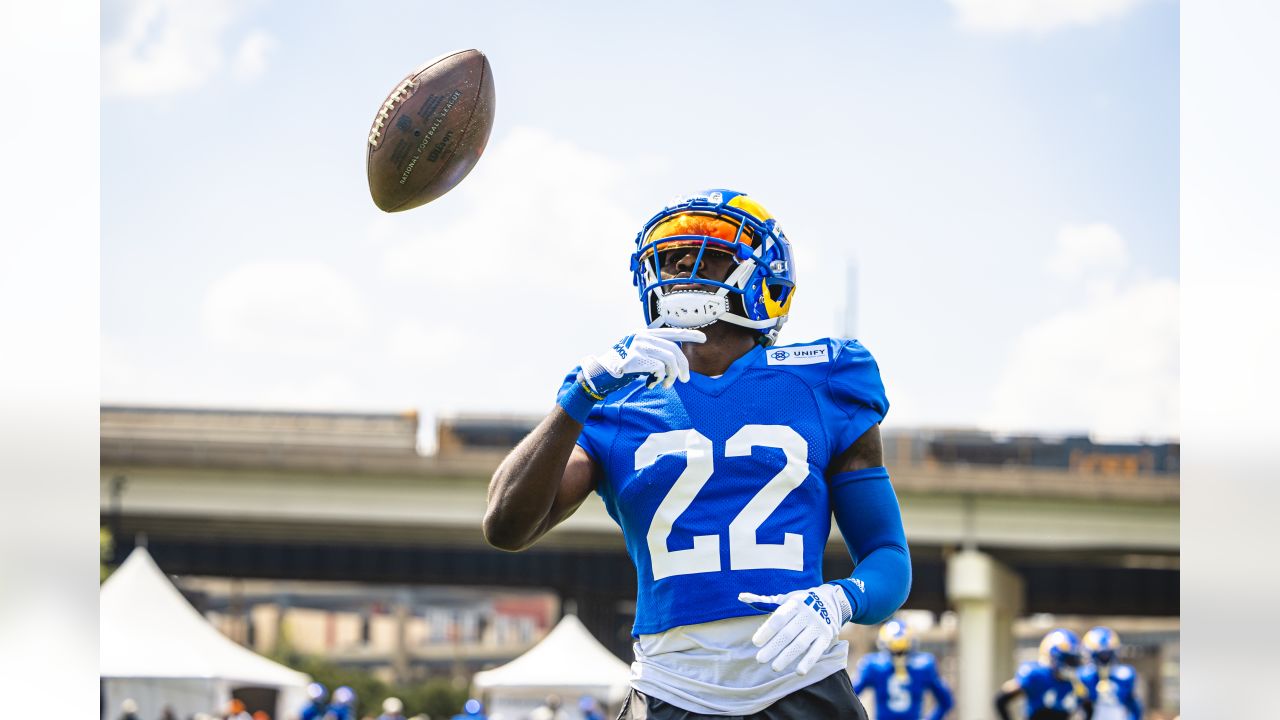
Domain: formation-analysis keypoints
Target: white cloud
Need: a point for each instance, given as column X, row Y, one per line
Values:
column 529, row 278
column 322, row 390
column 283, row 307
column 118, row 370
column 1108, row 367
column 169, row 46
column 251, row 58
column 551, row 211
column 413, row 345
column 1037, row 16
column 1088, row 248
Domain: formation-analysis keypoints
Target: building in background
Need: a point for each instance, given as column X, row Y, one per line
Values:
column 400, row 633
column 331, row 531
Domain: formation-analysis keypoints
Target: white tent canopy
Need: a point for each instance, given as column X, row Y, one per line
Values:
column 568, row 662
column 158, row 650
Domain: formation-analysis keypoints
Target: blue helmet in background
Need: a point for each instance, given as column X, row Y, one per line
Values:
column 1101, row 643
column 344, row 696
column 472, row 707
column 316, row 692
column 895, row 637
column 1060, row 648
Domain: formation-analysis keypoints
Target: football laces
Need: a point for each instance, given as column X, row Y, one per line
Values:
column 380, row 122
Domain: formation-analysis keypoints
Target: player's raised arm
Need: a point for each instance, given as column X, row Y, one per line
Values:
column 539, row 484
column 548, row 476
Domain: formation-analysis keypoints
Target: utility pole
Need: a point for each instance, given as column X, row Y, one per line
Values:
column 850, row 328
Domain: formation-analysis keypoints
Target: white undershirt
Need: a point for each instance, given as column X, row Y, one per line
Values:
column 711, row 668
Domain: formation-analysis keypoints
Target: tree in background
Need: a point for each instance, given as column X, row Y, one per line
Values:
column 438, row 697
column 106, row 546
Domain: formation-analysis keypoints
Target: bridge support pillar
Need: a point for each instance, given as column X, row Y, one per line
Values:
column 987, row 597
column 400, row 652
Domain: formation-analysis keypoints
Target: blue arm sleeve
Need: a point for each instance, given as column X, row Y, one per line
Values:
column 588, row 410
column 941, row 696
column 866, row 510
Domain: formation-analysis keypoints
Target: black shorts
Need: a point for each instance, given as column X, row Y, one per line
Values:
column 1047, row 714
column 831, row 698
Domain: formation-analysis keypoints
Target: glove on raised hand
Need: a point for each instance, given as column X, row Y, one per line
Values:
column 803, row 625
column 648, row 352
column 653, row 353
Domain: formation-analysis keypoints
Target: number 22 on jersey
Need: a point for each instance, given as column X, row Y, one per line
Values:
column 744, row 552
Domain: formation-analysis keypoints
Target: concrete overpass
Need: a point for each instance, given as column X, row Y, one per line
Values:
column 347, row 497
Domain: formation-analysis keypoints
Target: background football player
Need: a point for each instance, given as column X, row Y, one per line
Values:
column 1111, row 684
column 342, row 705
column 317, row 702
column 1051, row 686
column 722, row 456
column 900, row 677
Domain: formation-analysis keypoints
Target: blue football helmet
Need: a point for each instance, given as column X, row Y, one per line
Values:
column 344, row 696
column 1101, row 643
column 1060, row 648
column 758, row 290
column 895, row 637
column 316, row 692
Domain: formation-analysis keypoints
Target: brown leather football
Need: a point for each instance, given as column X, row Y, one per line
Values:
column 430, row 131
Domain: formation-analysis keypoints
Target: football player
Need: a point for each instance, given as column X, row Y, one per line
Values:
column 723, row 455
column 900, row 677
column 1111, row 684
column 317, row 702
column 343, row 706
column 1052, row 687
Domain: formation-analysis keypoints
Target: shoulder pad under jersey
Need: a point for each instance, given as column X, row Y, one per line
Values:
column 922, row 661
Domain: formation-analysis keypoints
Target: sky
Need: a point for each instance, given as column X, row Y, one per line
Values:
column 1003, row 174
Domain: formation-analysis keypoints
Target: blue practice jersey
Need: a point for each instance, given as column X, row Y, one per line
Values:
column 1113, row 696
column 1046, row 691
column 719, row 483
column 313, row 711
column 901, row 697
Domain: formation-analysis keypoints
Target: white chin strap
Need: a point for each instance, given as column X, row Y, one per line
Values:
column 691, row 308
column 697, row 308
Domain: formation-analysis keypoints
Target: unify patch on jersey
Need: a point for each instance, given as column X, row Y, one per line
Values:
column 801, row 355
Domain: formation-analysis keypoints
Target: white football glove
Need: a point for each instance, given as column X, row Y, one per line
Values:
column 648, row 352
column 804, row 625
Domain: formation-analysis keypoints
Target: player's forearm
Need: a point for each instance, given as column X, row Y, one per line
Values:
column 522, row 492
column 1003, row 699
column 867, row 512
